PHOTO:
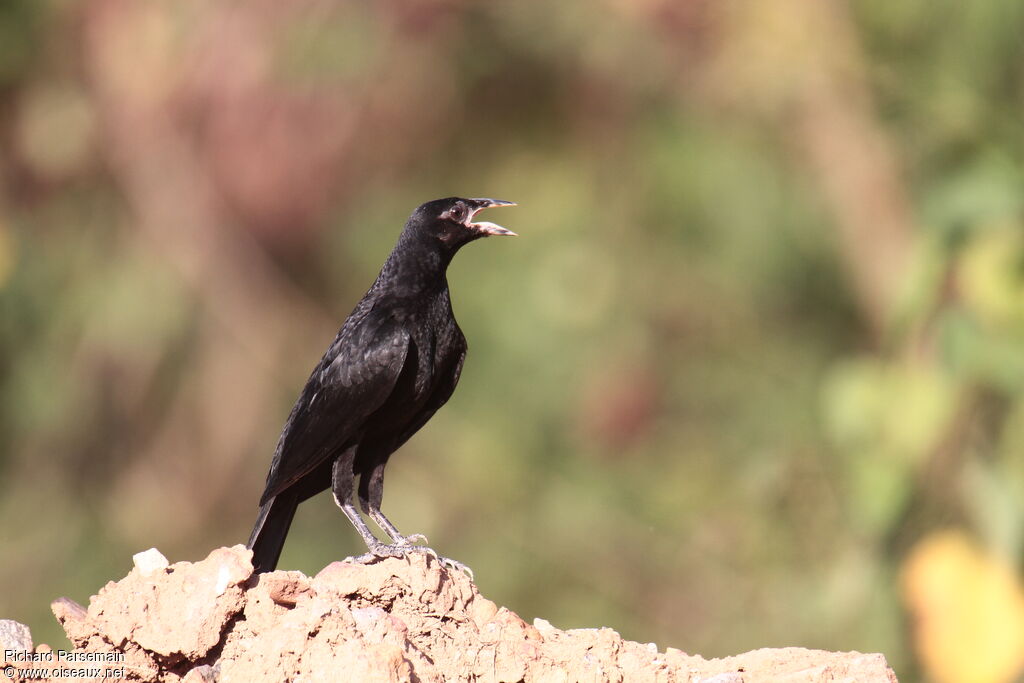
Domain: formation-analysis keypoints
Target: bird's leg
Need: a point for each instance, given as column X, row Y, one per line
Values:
column 342, row 484
column 371, row 495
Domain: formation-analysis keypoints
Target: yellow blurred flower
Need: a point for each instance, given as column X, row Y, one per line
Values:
column 968, row 611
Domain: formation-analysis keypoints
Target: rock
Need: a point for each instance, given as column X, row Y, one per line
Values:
column 200, row 674
column 14, row 636
column 74, row 619
column 149, row 561
column 394, row 620
column 286, row 588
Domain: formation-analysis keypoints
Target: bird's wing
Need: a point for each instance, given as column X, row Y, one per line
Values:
column 352, row 380
column 433, row 404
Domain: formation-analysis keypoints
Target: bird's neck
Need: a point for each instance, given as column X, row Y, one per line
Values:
column 415, row 267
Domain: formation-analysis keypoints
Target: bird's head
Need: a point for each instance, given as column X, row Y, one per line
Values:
column 451, row 220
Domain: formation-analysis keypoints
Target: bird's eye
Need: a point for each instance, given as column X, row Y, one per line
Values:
column 457, row 213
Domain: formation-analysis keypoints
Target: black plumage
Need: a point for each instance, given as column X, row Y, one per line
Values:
column 395, row 361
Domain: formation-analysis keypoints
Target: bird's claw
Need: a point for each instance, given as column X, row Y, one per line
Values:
column 365, row 558
column 425, row 549
column 456, row 565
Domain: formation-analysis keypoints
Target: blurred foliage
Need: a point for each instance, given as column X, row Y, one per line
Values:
column 753, row 375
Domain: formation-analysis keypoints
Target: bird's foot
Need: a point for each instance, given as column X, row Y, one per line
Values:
column 381, row 551
column 411, row 540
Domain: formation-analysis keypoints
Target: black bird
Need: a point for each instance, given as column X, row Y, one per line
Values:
column 395, row 361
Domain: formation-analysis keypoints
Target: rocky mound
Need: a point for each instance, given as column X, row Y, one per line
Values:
column 395, row 620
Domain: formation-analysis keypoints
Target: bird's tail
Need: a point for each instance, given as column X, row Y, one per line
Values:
column 270, row 530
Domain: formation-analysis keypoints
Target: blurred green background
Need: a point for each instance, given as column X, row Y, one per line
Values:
column 752, row 376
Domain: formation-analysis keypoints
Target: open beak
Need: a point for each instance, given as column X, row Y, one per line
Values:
column 486, row 227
